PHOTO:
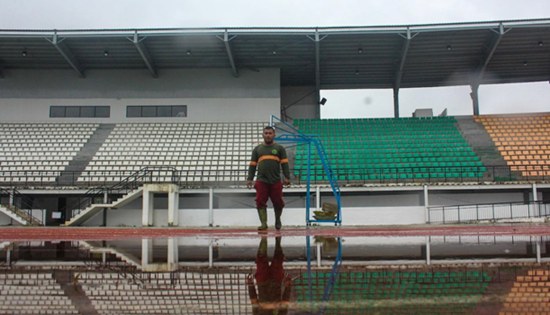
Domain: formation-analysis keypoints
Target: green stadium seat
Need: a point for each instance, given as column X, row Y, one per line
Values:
column 394, row 148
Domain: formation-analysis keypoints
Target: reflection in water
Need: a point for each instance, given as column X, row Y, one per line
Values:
column 312, row 275
column 271, row 294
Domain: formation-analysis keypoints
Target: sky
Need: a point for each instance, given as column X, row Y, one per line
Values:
column 494, row 99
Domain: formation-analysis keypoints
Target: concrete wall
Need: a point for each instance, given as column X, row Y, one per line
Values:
column 450, row 198
column 210, row 95
column 359, row 207
column 299, row 102
column 232, row 209
column 249, row 218
column 4, row 219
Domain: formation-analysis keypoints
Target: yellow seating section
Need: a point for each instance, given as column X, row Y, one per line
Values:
column 523, row 140
column 529, row 294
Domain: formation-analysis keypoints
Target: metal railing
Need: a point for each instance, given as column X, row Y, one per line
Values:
column 18, row 203
column 488, row 212
column 228, row 177
column 125, row 185
column 414, row 174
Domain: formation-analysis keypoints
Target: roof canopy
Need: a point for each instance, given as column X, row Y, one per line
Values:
column 328, row 57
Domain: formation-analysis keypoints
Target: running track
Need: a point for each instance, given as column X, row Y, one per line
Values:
column 110, row 233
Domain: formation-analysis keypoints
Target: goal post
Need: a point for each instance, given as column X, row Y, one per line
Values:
column 289, row 134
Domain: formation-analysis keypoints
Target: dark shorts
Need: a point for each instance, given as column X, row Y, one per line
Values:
column 266, row 191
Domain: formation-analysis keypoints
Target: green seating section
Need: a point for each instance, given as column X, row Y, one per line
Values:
column 388, row 149
column 413, row 292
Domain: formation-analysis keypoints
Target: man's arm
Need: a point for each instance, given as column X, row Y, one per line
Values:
column 285, row 167
column 252, row 168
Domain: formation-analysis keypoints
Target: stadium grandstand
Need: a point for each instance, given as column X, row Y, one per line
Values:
column 100, row 125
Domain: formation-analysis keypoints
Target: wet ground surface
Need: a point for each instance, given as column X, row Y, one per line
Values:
column 92, row 233
column 319, row 270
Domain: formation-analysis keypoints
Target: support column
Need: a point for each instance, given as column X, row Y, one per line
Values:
column 211, row 253
column 396, row 102
column 318, row 197
column 317, row 113
column 147, row 207
column 173, row 253
column 173, row 205
column 149, row 191
column 428, row 251
column 211, row 207
column 319, row 255
column 11, row 198
column 426, row 205
column 475, row 97
column 146, row 251
column 536, row 206
column 105, row 201
column 538, row 253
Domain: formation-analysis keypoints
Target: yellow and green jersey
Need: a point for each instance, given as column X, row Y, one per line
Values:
column 268, row 160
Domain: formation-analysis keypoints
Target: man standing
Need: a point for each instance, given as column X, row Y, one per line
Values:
column 268, row 158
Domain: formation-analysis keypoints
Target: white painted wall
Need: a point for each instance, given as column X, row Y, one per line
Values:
column 248, row 217
column 351, row 216
column 4, row 219
column 481, row 196
column 211, row 95
column 365, row 207
column 39, row 214
column 299, row 102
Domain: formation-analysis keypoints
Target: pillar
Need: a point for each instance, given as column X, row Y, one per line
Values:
column 426, row 205
column 396, row 103
column 211, row 207
column 105, row 201
column 475, row 98
column 536, row 206
column 147, row 208
column 173, row 205
column 173, row 254
column 428, row 251
column 146, row 251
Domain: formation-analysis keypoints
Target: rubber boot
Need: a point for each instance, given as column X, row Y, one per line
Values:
column 278, row 213
column 262, row 214
column 278, row 249
column 262, row 249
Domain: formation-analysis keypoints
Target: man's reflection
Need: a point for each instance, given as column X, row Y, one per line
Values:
column 273, row 284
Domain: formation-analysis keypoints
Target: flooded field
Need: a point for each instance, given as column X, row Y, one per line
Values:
column 251, row 273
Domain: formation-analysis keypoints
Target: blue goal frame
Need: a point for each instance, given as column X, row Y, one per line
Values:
column 293, row 135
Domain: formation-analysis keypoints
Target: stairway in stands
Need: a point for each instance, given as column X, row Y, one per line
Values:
column 481, row 143
column 77, row 165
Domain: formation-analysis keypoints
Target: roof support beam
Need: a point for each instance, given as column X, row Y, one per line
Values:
column 494, row 42
column 226, row 40
column 67, row 54
column 399, row 75
column 404, row 52
column 317, row 75
column 317, row 41
column 144, row 53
